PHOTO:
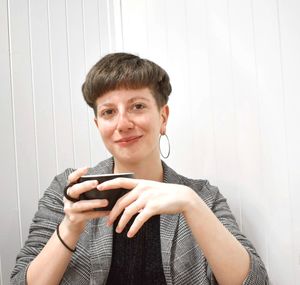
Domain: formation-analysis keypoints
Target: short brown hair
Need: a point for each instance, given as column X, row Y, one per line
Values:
column 123, row 70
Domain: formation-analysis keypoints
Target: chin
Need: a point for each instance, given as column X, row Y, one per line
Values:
column 129, row 158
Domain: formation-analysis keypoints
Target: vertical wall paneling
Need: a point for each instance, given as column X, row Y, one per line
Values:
column 156, row 31
column 23, row 112
column 273, row 135
column 180, row 112
column 94, row 45
column 91, row 25
column 242, row 122
column 249, row 178
column 116, row 10
column 289, row 28
column 9, row 214
column 46, row 47
column 224, row 107
column 111, row 24
column 76, row 71
column 104, row 26
column 42, row 92
column 135, row 26
column 201, row 131
column 1, row 275
column 60, row 84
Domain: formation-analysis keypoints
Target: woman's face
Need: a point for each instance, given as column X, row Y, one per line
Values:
column 130, row 123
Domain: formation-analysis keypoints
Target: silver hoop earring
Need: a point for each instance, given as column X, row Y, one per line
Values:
column 169, row 146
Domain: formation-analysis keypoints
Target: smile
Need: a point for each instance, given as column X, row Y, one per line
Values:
column 128, row 140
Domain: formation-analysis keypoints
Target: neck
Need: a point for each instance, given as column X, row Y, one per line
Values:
column 149, row 170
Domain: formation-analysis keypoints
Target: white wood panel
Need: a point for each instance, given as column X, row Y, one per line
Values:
column 42, row 93
column 180, row 107
column 44, row 116
column 249, row 178
column 116, row 18
column 95, row 37
column 223, row 101
column 76, row 65
column 134, row 20
column 198, row 88
column 274, row 156
column 273, row 136
column 9, row 216
column 156, row 31
column 61, row 84
column 106, row 44
column 289, row 21
column 92, row 38
column 249, row 154
column 1, row 275
column 23, row 112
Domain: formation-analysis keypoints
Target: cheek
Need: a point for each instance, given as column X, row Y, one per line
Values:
column 105, row 129
column 152, row 124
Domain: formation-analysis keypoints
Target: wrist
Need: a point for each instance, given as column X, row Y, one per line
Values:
column 193, row 202
column 63, row 242
column 70, row 233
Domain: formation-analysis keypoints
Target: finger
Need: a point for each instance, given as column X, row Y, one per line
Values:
column 126, row 183
column 75, row 175
column 79, row 188
column 85, row 205
column 81, row 217
column 120, row 205
column 139, row 221
column 129, row 211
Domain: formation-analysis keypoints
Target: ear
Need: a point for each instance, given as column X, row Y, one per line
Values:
column 164, row 115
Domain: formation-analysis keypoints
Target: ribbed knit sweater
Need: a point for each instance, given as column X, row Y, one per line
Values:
column 137, row 260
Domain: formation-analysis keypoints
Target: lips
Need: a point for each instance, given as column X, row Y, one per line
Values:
column 127, row 140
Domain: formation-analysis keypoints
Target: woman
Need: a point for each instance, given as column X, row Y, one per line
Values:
column 168, row 229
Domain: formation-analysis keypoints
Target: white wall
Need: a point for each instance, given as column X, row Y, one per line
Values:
column 46, row 49
column 234, row 67
column 235, row 107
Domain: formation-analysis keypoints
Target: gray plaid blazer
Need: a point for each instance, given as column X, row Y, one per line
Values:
column 183, row 261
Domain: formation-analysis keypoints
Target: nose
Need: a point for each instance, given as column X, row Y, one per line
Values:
column 124, row 123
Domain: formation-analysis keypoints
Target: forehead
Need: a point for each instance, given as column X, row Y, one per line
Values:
column 125, row 96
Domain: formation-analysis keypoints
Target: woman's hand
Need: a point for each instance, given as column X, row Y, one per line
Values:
column 77, row 214
column 147, row 198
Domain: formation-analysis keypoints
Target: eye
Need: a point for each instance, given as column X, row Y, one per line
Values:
column 107, row 113
column 138, row 106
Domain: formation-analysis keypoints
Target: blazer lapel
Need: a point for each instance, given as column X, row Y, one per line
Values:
column 168, row 226
column 101, row 236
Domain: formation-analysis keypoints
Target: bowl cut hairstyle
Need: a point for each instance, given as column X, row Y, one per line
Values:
column 125, row 71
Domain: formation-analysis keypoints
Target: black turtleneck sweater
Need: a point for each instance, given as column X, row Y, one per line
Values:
column 137, row 260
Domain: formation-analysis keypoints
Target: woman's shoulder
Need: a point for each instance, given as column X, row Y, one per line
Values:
column 201, row 186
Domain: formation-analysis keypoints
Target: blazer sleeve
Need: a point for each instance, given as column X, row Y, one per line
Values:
column 257, row 273
column 49, row 214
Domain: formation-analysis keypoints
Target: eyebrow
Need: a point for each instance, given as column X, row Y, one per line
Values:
column 129, row 101
column 103, row 105
column 138, row 98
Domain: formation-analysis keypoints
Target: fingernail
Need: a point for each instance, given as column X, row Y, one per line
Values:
column 129, row 234
column 118, row 230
